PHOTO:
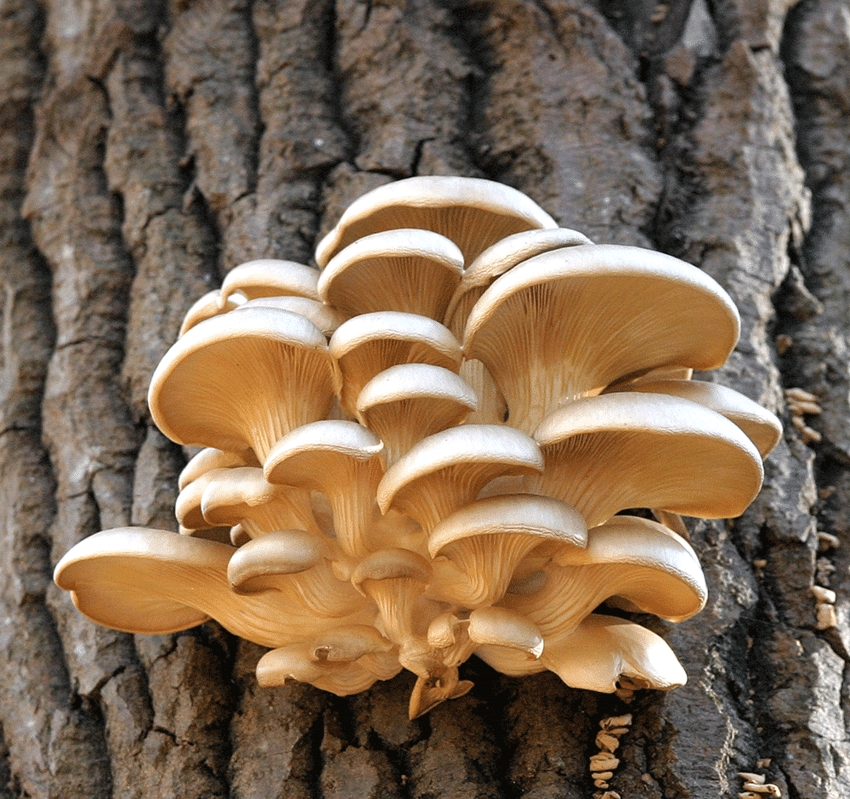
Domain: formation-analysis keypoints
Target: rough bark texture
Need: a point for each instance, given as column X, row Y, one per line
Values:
column 147, row 147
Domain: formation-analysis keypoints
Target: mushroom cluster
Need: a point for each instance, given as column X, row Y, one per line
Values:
column 449, row 439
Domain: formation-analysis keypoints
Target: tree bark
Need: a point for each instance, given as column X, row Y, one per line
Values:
column 148, row 147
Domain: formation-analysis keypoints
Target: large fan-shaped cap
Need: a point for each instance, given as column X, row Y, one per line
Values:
column 447, row 470
column 472, row 212
column 242, row 379
column 408, row 270
column 759, row 424
column 368, row 344
column 408, row 402
column 632, row 450
column 271, row 278
column 569, row 322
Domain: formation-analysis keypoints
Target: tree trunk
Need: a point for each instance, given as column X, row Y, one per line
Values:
column 147, row 148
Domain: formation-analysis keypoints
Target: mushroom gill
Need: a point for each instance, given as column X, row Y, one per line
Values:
column 398, row 498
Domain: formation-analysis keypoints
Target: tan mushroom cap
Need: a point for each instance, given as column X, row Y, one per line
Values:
column 324, row 317
column 496, row 626
column 209, row 458
column 603, row 649
column 569, row 322
column 478, row 548
column 243, row 380
column 498, row 259
column 340, row 459
column 656, row 570
column 448, row 469
column 407, row 270
column 633, row 450
column 269, row 277
column 759, row 424
column 242, row 496
column 292, row 663
column 349, row 643
column 472, row 212
column 370, row 343
column 280, row 552
column 408, row 402
column 153, row 581
column 206, row 307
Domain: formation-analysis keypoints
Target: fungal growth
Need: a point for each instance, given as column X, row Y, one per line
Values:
column 435, row 447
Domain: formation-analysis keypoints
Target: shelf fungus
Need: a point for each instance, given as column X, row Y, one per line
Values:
column 438, row 444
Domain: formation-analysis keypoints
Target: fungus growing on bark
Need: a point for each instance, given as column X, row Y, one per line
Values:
column 442, row 477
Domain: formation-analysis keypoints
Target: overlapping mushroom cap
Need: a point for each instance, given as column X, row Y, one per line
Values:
column 419, row 452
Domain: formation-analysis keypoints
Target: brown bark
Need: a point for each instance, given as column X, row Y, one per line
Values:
column 146, row 148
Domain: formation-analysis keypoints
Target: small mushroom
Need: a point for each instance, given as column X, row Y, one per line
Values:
column 368, row 344
column 408, row 402
column 472, row 212
column 447, row 470
column 412, row 271
column 568, row 323
column 478, row 548
column 324, row 317
column 340, row 459
column 270, row 278
column 208, row 306
column 209, row 458
column 243, row 379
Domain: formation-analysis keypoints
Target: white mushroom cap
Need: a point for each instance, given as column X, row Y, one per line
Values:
column 407, row 270
column 208, row 306
column 271, row 278
column 472, row 212
column 633, row 450
column 498, row 259
column 478, row 548
column 370, row 343
column 408, row 402
column 242, row 379
column 209, row 458
column 447, row 470
column 759, row 424
column 340, row 459
column 569, row 322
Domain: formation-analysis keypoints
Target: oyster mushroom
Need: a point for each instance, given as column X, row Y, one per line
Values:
column 633, row 450
column 472, row 212
column 447, row 470
column 408, row 402
column 340, row 459
column 567, row 323
column 206, row 307
column 478, row 548
column 243, row 380
column 270, row 278
column 368, row 344
column 412, row 271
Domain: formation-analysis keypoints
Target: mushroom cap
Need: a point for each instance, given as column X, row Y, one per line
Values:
column 570, row 322
column 324, row 317
column 347, row 643
column 269, row 277
column 209, row 458
column 759, row 424
column 370, row 343
column 630, row 450
column 206, row 307
column 120, row 578
column 451, row 467
column 391, row 564
column 408, row 402
column 472, row 212
column 242, row 380
column 663, row 572
column 498, row 259
column 187, row 508
column 544, row 518
column 496, row 626
column 407, row 270
column 278, row 552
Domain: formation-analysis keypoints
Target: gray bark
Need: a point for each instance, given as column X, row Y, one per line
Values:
column 146, row 148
